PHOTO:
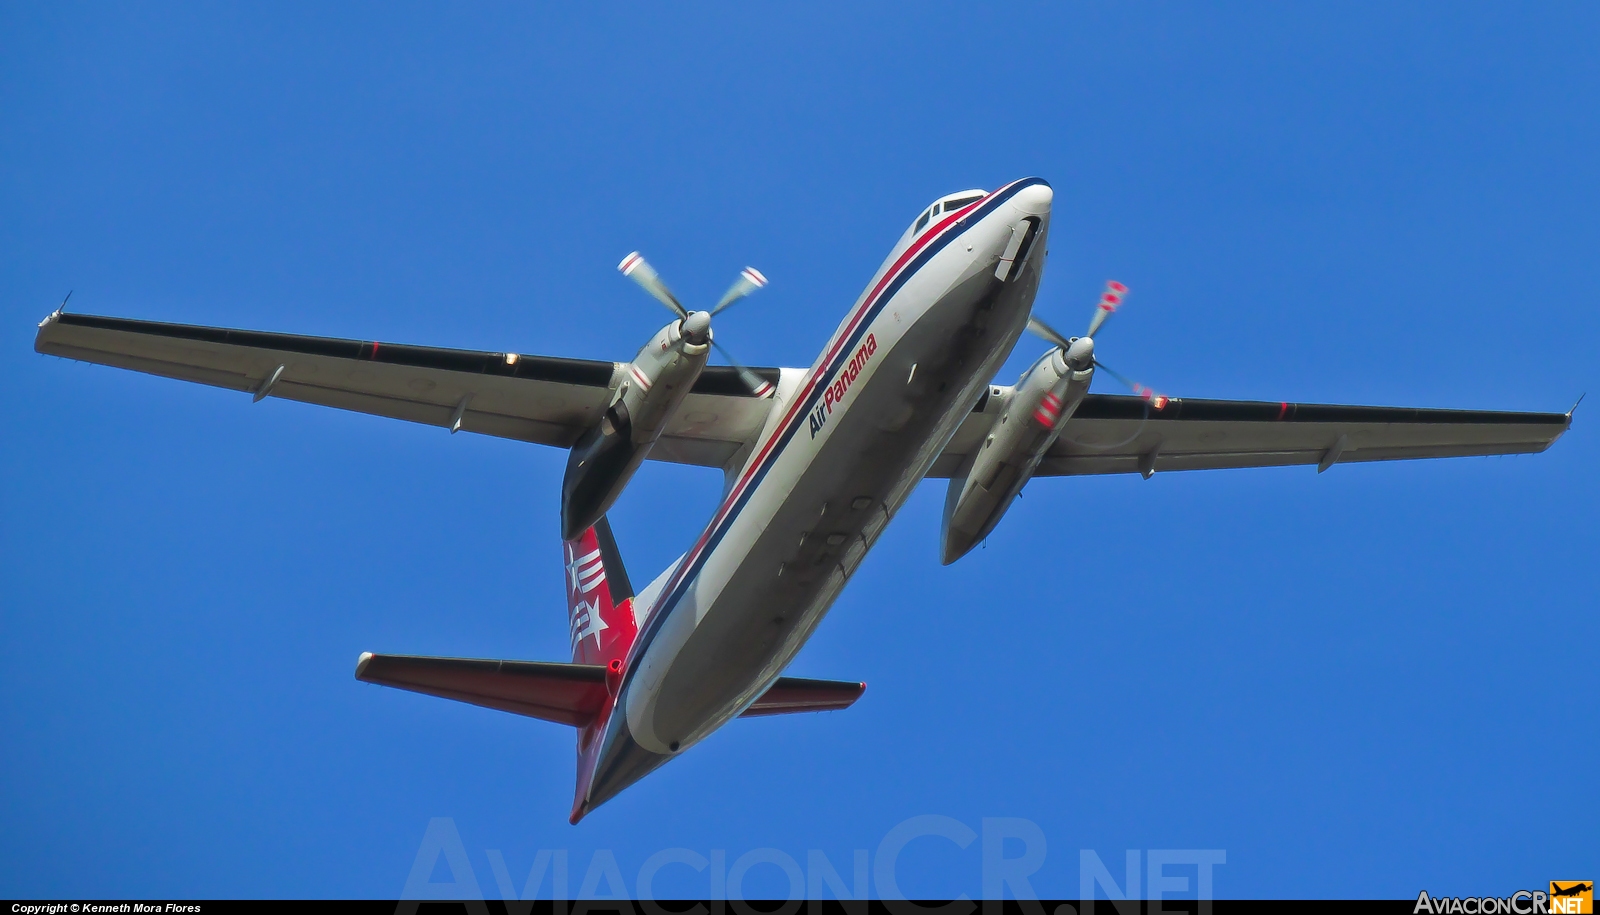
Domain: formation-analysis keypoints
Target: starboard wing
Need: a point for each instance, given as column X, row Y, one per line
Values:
column 1120, row 434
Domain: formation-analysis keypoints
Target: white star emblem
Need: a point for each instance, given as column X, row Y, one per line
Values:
column 587, row 617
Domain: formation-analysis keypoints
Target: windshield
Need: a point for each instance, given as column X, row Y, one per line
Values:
column 947, row 205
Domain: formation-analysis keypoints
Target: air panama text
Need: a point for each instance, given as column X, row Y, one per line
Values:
column 847, row 377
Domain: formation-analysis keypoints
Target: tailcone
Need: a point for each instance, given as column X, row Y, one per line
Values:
column 621, row 762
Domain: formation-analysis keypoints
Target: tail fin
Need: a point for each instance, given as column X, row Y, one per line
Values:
column 599, row 598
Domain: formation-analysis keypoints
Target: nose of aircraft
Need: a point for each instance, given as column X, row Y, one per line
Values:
column 1034, row 200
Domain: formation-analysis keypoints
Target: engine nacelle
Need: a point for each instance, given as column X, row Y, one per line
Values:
column 653, row 386
column 1044, row 398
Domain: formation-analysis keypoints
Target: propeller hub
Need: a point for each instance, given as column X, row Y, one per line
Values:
column 697, row 326
column 1079, row 353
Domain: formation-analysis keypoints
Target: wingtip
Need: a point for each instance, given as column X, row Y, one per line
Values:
column 361, row 664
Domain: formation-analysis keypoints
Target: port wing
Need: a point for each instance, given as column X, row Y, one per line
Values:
column 543, row 399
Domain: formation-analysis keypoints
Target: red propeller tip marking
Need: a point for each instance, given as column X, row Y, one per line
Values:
column 629, row 262
column 1115, row 286
column 1155, row 399
column 754, row 276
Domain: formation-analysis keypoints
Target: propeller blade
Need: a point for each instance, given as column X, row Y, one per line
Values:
column 1047, row 333
column 757, row 385
column 750, row 279
column 1156, row 399
column 1110, row 300
column 636, row 268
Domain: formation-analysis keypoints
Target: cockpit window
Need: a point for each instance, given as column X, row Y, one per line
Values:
column 948, row 205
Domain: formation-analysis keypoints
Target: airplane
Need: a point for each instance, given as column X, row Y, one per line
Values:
column 816, row 462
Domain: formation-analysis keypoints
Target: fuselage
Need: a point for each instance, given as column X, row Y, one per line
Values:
column 845, row 444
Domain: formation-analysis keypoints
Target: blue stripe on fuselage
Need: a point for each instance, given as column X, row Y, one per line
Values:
column 669, row 602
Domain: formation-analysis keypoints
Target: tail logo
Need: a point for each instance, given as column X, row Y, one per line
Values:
column 599, row 597
column 586, row 621
column 585, row 573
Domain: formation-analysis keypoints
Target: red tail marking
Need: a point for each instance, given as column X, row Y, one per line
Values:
column 602, row 627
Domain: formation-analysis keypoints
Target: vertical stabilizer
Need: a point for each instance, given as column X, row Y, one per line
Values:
column 600, row 619
column 599, row 598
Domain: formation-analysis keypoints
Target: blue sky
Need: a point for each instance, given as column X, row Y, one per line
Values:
column 1365, row 683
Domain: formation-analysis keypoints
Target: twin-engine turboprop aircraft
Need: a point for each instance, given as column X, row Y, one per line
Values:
column 816, row 462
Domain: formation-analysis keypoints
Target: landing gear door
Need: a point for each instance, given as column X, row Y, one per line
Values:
column 1017, row 247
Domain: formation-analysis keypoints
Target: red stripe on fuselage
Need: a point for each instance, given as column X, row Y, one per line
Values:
column 795, row 410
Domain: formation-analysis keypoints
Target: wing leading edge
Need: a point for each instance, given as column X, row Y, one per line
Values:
column 541, row 399
column 1120, row 434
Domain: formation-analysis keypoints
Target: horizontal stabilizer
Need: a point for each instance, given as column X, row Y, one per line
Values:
column 792, row 694
column 571, row 694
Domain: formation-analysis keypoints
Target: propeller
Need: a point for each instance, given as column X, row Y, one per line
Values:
column 636, row 268
column 697, row 325
column 1110, row 300
column 1156, row 399
column 750, row 279
column 1079, row 351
